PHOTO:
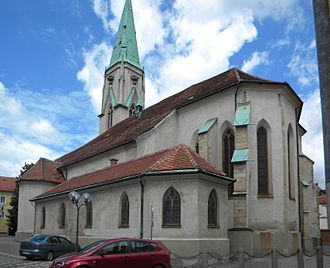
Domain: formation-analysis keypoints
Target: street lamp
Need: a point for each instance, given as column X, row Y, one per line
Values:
column 79, row 201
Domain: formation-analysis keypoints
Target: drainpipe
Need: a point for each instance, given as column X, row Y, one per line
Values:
column 141, row 208
column 299, row 186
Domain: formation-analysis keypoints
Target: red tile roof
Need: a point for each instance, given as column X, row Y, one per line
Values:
column 7, row 184
column 131, row 128
column 177, row 158
column 44, row 170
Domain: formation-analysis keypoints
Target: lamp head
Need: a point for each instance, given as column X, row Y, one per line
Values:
column 74, row 196
column 86, row 197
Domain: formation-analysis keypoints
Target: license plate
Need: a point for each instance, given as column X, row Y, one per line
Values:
column 26, row 253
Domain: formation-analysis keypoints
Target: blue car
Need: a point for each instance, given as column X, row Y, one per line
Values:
column 46, row 246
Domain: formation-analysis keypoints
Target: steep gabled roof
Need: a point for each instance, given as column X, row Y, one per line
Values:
column 44, row 170
column 176, row 159
column 131, row 128
column 7, row 184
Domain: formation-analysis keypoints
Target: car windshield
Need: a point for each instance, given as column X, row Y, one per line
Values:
column 38, row 238
column 91, row 247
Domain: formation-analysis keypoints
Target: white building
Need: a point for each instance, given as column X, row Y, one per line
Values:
column 170, row 156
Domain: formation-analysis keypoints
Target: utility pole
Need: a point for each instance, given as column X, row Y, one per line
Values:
column 322, row 31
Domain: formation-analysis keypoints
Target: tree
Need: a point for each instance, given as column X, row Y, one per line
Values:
column 13, row 212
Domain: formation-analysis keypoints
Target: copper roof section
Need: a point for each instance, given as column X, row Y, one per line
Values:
column 129, row 129
column 7, row 184
column 178, row 158
column 44, row 170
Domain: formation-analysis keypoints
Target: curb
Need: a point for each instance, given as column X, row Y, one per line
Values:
column 11, row 255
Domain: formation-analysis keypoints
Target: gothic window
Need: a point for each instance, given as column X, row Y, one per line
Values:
column 213, row 209
column 197, row 147
column 124, row 215
column 171, row 208
column 89, row 215
column 62, row 216
column 262, row 151
column 290, row 146
column 110, row 117
column 132, row 110
column 43, row 218
column 228, row 147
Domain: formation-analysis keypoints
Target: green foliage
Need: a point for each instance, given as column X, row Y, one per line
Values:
column 13, row 212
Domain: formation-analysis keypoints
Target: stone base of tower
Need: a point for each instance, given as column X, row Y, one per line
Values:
column 261, row 241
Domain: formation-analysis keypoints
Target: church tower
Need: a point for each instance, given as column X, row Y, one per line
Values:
column 123, row 89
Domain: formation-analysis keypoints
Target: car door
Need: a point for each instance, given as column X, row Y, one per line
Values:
column 66, row 246
column 142, row 254
column 54, row 245
column 114, row 255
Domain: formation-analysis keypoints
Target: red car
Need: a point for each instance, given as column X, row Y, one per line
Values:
column 117, row 253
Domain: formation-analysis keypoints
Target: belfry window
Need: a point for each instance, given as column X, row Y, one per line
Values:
column 171, row 208
column 124, row 215
column 110, row 117
column 213, row 209
column 262, row 150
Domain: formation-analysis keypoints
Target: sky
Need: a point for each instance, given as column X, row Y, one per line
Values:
column 53, row 55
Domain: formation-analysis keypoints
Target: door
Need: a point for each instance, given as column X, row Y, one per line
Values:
column 54, row 245
column 66, row 246
column 142, row 254
column 114, row 255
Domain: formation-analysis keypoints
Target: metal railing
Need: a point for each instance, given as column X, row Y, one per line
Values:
column 242, row 259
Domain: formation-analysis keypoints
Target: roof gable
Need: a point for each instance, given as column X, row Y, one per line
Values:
column 7, row 184
column 178, row 158
column 44, row 170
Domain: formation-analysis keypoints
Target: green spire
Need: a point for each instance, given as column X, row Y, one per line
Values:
column 126, row 46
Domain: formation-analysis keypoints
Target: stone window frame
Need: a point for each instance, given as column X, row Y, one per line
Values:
column 290, row 162
column 224, row 157
column 124, row 211
column 269, row 193
column 89, row 215
column 171, row 209
column 110, row 117
column 62, row 214
column 43, row 218
column 212, row 210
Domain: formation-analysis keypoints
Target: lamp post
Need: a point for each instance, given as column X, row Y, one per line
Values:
column 79, row 201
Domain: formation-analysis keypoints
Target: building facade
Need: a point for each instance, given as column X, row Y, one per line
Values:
column 7, row 187
column 212, row 161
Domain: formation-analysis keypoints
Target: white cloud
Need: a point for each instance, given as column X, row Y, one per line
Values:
column 313, row 140
column 303, row 63
column 256, row 59
column 95, row 61
column 102, row 10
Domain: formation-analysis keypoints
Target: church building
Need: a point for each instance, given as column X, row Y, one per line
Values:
column 216, row 166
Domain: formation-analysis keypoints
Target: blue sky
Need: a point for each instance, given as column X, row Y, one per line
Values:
column 53, row 55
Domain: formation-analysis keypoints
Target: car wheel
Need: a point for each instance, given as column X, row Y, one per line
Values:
column 49, row 256
column 158, row 266
column 29, row 258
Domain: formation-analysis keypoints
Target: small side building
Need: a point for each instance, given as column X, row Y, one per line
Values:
column 7, row 187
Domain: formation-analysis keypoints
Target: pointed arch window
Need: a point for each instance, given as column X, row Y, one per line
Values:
column 132, row 110
column 43, row 218
column 213, row 209
column 228, row 147
column 110, row 117
column 62, row 216
column 262, row 151
column 124, row 212
column 171, row 208
column 89, row 215
column 290, row 146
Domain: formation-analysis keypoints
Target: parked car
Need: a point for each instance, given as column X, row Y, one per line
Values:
column 118, row 253
column 46, row 246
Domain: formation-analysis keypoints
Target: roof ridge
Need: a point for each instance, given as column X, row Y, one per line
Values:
column 171, row 151
column 189, row 152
